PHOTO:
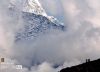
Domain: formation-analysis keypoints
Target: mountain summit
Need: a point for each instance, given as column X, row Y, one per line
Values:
column 34, row 19
column 31, row 24
column 33, row 6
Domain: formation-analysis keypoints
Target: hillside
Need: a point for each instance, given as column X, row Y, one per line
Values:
column 90, row 66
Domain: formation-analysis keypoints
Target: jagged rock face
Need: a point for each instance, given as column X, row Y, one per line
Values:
column 35, row 25
column 34, row 19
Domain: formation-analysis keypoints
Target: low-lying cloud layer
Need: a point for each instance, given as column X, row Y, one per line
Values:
column 80, row 41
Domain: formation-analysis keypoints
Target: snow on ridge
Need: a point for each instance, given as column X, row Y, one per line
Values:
column 33, row 6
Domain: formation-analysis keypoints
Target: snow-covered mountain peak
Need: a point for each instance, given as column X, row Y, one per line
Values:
column 31, row 6
column 35, row 7
column 34, row 19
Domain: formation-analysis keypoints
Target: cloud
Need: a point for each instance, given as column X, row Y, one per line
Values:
column 63, row 49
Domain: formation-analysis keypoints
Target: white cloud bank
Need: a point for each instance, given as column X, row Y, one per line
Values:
column 79, row 42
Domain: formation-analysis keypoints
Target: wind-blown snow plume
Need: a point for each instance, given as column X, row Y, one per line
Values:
column 56, row 48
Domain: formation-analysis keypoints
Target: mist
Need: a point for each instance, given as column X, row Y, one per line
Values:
column 79, row 42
